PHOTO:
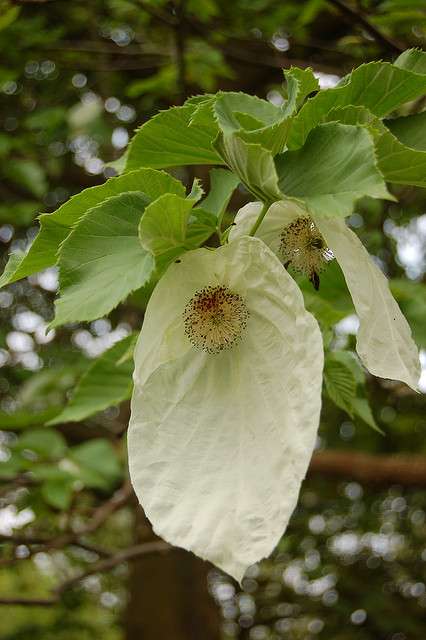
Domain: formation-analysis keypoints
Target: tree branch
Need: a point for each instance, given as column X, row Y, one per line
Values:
column 407, row 470
column 354, row 16
column 29, row 602
column 119, row 499
column 109, row 563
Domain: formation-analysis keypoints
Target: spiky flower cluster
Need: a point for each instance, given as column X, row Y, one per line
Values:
column 215, row 318
column 303, row 247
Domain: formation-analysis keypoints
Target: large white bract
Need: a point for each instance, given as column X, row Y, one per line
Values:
column 384, row 341
column 220, row 439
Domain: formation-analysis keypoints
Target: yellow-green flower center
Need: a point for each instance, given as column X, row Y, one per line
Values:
column 303, row 248
column 215, row 318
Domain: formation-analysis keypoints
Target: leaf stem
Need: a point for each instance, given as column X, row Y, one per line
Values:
column 260, row 217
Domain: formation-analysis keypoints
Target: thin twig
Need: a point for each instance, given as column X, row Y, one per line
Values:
column 357, row 17
column 72, row 538
column 32, row 1
column 93, row 548
column 158, row 14
column 35, row 545
column 92, row 47
column 238, row 49
column 98, row 567
column 109, row 563
column 118, row 500
column 30, row 602
column 23, row 539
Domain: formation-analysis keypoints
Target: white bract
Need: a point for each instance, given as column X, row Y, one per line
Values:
column 226, row 404
column 384, row 341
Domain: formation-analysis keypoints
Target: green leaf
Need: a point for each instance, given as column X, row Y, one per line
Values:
column 334, row 168
column 106, row 383
column 340, row 383
column 300, row 83
column 355, row 116
column 162, row 230
column 344, row 381
column 379, row 86
column 49, row 118
column 167, row 229
column 58, row 492
column 20, row 213
column 412, row 60
column 410, row 130
column 27, row 174
column 326, row 313
column 50, row 471
column 15, row 260
column 8, row 16
column 272, row 138
column 162, row 83
column 96, row 463
column 12, row 466
column 222, row 186
column 23, row 419
column 201, row 226
column 56, row 226
column 46, row 443
column 400, row 164
column 351, row 362
column 257, row 121
column 168, row 140
column 333, row 289
column 362, row 410
column 236, row 111
column 102, row 262
column 203, row 115
column 253, row 164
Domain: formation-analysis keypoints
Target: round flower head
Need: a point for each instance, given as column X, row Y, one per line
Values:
column 215, row 318
column 303, row 247
column 384, row 342
column 226, row 403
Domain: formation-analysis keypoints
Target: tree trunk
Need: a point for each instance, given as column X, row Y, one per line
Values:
column 168, row 595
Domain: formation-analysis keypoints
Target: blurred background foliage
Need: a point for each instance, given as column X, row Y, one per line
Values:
column 76, row 78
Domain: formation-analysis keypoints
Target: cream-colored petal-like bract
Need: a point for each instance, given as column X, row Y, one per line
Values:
column 220, row 443
column 279, row 215
column 384, row 341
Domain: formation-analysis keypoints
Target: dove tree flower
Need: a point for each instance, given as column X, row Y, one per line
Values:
column 228, row 365
column 226, row 403
column 306, row 243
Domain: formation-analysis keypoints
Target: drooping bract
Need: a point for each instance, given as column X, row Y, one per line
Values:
column 384, row 341
column 225, row 411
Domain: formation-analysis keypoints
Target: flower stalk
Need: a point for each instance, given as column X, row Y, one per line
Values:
column 260, row 217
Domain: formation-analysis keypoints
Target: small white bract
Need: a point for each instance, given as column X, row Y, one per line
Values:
column 226, row 403
column 215, row 318
column 384, row 342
